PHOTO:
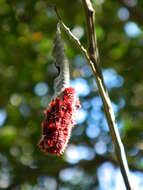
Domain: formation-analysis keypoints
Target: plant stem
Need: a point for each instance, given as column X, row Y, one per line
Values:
column 93, row 60
column 108, row 109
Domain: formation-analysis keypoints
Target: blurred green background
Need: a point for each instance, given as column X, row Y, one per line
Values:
column 27, row 72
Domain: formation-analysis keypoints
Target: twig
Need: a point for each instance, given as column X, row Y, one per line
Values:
column 91, row 59
column 119, row 148
column 92, row 42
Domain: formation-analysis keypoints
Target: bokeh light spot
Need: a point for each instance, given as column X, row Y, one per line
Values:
column 80, row 116
column 15, row 99
column 92, row 131
column 78, row 31
column 76, row 153
column 81, row 86
column 112, row 79
column 74, row 175
column 123, row 13
column 132, row 30
column 100, row 147
column 47, row 182
column 3, row 116
column 41, row 89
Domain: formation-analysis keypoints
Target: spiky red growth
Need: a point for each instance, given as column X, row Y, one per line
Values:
column 56, row 128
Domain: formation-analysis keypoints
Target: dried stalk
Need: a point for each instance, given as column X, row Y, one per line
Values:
column 92, row 57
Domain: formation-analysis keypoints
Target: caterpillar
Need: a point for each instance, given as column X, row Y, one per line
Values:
column 60, row 114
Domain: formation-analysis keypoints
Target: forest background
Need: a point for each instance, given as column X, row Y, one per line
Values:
column 27, row 72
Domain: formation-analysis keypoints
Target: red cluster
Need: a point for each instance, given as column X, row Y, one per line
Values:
column 56, row 128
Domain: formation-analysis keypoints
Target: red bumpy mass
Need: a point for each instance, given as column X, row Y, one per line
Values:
column 56, row 128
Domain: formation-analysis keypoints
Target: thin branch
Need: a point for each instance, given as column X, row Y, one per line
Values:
column 92, row 42
column 119, row 149
column 75, row 40
column 72, row 36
